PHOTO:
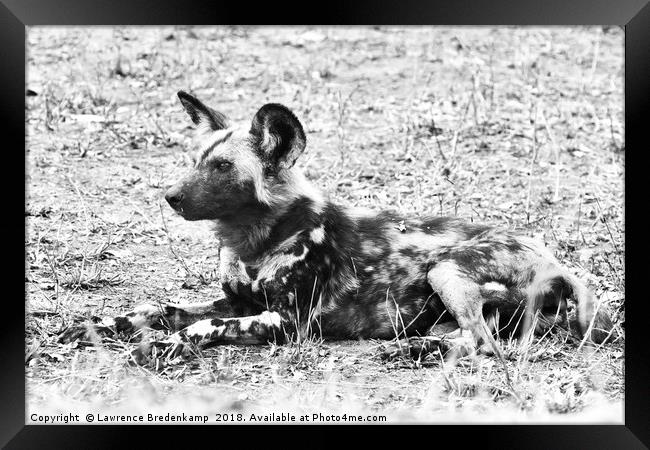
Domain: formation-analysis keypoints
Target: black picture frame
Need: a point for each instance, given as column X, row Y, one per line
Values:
column 633, row 15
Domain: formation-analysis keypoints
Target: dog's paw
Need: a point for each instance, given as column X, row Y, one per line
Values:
column 418, row 347
column 414, row 347
column 391, row 350
column 88, row 334
column 459, row 347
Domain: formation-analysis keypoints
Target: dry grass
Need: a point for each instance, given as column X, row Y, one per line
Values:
column 520, row 127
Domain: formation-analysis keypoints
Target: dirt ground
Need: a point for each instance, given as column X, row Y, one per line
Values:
column 519, row 127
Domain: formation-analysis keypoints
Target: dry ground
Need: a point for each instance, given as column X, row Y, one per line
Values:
column 520, row 127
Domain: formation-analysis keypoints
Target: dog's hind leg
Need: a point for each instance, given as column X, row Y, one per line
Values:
column 463, row 299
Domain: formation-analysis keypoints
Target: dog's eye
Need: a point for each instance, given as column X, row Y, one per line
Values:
column 223, row 166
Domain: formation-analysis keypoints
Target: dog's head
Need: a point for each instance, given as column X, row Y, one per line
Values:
column 238, row 171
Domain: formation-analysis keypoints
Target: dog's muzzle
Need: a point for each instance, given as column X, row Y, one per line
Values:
column 174, row 197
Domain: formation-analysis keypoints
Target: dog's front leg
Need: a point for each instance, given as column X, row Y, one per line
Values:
column 276, row 324
column 163, row 316
column 269, row 326
column 273, row 325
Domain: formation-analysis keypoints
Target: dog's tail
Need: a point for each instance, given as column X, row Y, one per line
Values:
column 557, row 292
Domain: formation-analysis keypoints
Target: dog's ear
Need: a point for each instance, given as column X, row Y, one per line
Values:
column 280, row 134
column 203, row 116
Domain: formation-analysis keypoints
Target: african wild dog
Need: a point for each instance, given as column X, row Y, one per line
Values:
column 294, row 263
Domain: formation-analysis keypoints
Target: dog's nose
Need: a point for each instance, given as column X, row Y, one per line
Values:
column 174, row 198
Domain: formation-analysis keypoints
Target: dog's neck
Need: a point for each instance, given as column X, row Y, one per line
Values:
column 295, row 205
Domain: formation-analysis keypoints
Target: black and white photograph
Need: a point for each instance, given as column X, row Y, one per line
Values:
column 325, row 224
